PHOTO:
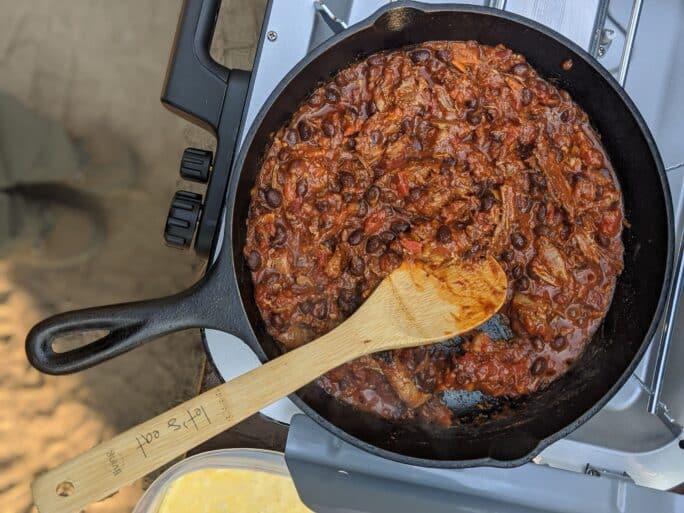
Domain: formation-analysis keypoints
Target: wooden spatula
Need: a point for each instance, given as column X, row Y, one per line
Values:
column 412, row 306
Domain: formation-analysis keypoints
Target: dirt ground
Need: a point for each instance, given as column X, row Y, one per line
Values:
column 97, row 66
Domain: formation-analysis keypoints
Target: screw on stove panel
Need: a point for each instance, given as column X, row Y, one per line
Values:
column 271, row 35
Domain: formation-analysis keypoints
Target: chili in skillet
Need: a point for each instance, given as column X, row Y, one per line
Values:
column 440, row 151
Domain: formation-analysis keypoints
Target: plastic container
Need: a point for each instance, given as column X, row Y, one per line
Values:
column 247, row 459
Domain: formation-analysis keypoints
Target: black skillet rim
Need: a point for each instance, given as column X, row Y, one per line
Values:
column 646, row 133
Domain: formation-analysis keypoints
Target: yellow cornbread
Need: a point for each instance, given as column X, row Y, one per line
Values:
column 232, row 491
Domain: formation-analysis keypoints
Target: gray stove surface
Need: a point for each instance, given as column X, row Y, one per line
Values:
column 623, row 437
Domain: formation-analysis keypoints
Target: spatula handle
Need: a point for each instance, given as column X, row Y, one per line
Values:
column 131, row 455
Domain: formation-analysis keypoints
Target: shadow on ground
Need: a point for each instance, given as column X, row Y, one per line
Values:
column 98, row 68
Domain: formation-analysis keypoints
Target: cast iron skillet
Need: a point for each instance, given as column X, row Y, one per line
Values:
column 223, row 298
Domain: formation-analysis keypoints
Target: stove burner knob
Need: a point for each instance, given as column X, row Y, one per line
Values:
column 182, row 219
column 195, row 165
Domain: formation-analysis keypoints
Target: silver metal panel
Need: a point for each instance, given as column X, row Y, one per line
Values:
column 575, row 19
column 356, row 481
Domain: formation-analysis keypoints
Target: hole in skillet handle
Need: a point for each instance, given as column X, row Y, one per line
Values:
column 71, row 341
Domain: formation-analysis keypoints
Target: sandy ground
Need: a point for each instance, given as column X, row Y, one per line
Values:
column 97, row 66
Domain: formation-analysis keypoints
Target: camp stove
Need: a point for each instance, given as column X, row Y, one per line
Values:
column 636, row 439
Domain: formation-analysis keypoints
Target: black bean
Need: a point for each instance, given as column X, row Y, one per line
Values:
column 331, row 96
column 355, row 237
column 291, row 137
column 384, row 356
column 305, row 130
column 378, row 172
column 541, row 213
column 522, row 283
column 372, row 195
column 406, row 125
column 322, row 205
column 519, row 69
column 387, row 236
column 347, row 197
column 472, row 103
column 277, row 321
column 357, row 266
column 305, row 307
column 517, row 272
column 603, row 241
column 283, row 154
column 473, row 250
column 347, row 180
column 270, row 277
column 506, row 256
column 542, row 230
column 280, row 236
column 565, row 231
column 351, row 143
column 328, row 128
column 525, row 150
column 559, row 343
column 518, row 240
column 331, row 243
column 400, row 226
column 362, row 209
column 253, row 260
column 348, row 300
column 538, row 179
column 473, row 117
column 490, row 114
column 393, row 137
column 376, row 137
column 376, row 60
column 274, row 198
column 526, row 96
column 444, row 55
column 599, row 192
column 565, row 115
column 320, row 310
column 415, row 193
column 334, row 184
column 538, row 366
column 524, row 203
column 537, row 344
column 302, row 187
column 315, row 100
column 341, row 80
column 496, row 135
column 487, row 202
column 443, row 234
column 374, row 244
column 418, row 56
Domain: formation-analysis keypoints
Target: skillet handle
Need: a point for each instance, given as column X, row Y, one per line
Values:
column 128, row 325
